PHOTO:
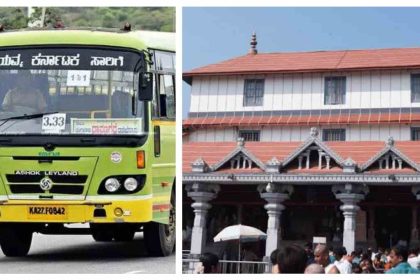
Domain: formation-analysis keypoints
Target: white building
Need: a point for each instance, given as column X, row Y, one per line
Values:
column 330, row 146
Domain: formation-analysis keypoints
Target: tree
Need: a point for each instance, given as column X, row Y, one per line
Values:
column 147, row 18
column 13, row 18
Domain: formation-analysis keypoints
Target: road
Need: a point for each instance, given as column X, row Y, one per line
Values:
column 81, row 254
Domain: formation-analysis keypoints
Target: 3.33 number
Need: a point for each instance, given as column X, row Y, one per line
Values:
column 53, row 121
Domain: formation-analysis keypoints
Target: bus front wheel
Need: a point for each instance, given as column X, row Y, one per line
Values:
column 15, row 240
column 101, row 233
column 160, row 238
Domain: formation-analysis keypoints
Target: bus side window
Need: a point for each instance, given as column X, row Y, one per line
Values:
column 163, row 104
column 166, row 96
column 155, row 101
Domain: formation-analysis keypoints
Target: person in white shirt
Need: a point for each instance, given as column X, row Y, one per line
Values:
column 342, row 263
column 314, row 269
column 414, row 258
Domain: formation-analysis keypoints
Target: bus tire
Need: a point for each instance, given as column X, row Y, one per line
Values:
column 160, row 238
column 101, row 233
column 102, row 236
column 15, row 241
column 124, row 235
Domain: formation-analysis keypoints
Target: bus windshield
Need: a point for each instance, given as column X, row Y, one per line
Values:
column 95, row 97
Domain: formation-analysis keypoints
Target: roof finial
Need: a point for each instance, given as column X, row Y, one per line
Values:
column 390, row 141
column 253, row 49
column 240, row 142
column 314, row 132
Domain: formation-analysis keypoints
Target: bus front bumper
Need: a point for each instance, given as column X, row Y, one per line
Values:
column 81, row 211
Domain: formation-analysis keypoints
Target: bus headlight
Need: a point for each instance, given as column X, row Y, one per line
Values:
column 130, row 184
column 122, row 184
column 112, row 185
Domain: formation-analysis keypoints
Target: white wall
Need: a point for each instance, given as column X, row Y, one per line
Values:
column 353, row 133
column 368, row 89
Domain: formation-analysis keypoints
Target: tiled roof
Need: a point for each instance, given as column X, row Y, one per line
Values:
column 410, row 148
column 313, row 61
column 210, row 152
column 373, row 118
column 213, row 152
column 359, row 151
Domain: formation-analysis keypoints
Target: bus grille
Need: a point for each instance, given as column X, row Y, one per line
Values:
column 20, row 184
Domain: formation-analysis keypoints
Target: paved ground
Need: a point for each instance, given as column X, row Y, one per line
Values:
column 81, row 254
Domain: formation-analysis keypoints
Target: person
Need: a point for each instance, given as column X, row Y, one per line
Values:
column 314, row 268
column 291, row 259
column 248, row 256
column 331, row 254
column 321, row 253
column 342, row 262
column 357, row 255
column 367, row 266
column 386, row 260
column 309, row 253
column 398, row 259
column 356, row 269
column 187, row 232
column 351, row 257
column 24, row 97
column 274, row 263
column 209, row 263
column 8, row 80
column 413, row 258
column 370, row 254
column 377, row 262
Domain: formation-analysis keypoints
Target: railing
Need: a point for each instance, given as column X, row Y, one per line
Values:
column 226, row 266
column 189, row 266
column 185, row 254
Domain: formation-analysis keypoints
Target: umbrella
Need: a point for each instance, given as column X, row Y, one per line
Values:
column 242, row 234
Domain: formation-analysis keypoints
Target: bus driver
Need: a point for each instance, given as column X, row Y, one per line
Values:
column 25, row 96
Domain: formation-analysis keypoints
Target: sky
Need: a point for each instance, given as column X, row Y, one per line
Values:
column 212, row 35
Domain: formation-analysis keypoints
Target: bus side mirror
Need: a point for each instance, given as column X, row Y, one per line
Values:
column 146, row 86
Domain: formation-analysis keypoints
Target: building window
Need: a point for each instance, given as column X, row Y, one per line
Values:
column 336, row 134
column 415, row 133
column 250, row 135
column 415, row 88
column 335, row 90
column 253, row 92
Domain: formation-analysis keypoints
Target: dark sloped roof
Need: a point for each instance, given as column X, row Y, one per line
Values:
column 312, row 61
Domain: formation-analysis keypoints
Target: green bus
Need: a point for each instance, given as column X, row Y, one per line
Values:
column 87, row 136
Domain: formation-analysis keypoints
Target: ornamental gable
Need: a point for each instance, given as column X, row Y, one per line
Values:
column 390, row 158
column 240, row 159
column 313, row 154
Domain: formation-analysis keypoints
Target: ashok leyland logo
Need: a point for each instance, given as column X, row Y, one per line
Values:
column 46, row 184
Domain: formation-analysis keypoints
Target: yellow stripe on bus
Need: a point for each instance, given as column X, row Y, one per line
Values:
column 159, row 122
column 162, row 198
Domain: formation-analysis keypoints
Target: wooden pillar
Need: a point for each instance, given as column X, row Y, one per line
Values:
column 361, row 226
column 371, row 230
column 414, row 225
column 414, row 221
column 239, row 213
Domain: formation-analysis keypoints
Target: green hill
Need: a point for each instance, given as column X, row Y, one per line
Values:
column 144, row 18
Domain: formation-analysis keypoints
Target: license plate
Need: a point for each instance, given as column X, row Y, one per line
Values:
column 47, row 212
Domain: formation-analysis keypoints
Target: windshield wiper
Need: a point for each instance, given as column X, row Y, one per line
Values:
column 26, row 117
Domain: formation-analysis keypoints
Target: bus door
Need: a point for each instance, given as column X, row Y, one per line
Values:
column 163, row 120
